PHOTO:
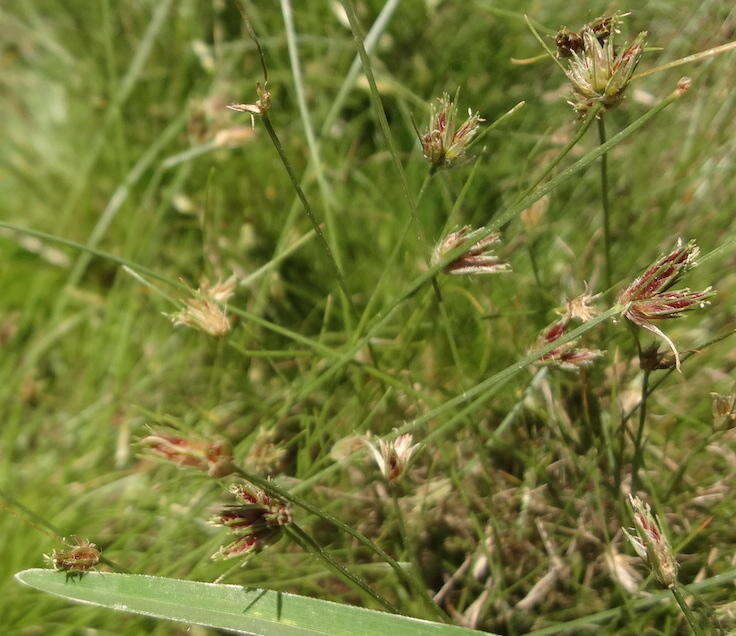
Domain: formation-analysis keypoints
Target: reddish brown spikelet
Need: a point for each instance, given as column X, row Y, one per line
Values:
column 566, row 356
column 650, row 544
column 79, row 557
column 480, row 258
column 445, row 144
column 212, row 457
column 257, row 520
column 649, row 297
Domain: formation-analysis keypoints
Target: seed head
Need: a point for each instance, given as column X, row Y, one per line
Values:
column 650, row 544
column 204, row 312
column 79, row 557
column 581, row 307
column 257, row 520
column 597, row 71
column 566, row 356
column 262, row 105
column 214, row 458
column 724, row 411
column 479, row 259
column 445, row 143
column 393, row 456
column 649, row 298
column 265, row 453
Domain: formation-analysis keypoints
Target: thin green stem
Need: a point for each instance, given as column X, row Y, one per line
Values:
column 393, row 257
column 272, row 489
column 686, row 611
column 638, row 451
column 570, row 627
column 695, row 57
column 606, row 205
column 302, row 538
column 582, row 129
column 36, row 521
column 410, row 547
column 308, row 210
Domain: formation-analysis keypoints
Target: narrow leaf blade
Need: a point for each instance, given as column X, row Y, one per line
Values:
column 230, row 607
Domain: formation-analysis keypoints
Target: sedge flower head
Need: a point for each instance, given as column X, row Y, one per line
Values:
column 478, row 259
column 724, row 411
column 446, row 142
column 79, row 556
column 257, row 520
column 650, row 544
column 392, row 457
column 597, row 70
column 581, row 307
column 567, row 356
column 204, row 311
column 262, row 104
column 212, row 457
column 650, row 299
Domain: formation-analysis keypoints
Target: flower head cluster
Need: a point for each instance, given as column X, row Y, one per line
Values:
column 78, row 557
column 567, row 356
column 650, row 543
column 262, row 105
column 479, row 259
column 393, row 456
column 257, row 520
column 597, row 70
column 446, row 142
column 650, row 298
column 204, row 311
column 214, row 458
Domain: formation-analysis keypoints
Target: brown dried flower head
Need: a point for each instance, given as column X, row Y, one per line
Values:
column 650, row 544
column 724, row 411
column 445, row 143
column 650, row 298
column 581, row 307
column 479, row 259
column 569, row 42
column 265, row 454
column 214, row 458
column 393, row 456
column 204, row 311
column 597, row 71
column 566, row 356
column 78, row 557
column 257, row 520
column 262, row 105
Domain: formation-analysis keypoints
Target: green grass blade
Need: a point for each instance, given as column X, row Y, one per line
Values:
column 231, row 607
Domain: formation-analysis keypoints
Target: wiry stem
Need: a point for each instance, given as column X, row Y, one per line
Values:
column 307, row 208
column 686, row 611
column 308, row 543
column 36, row 521
column 272, row 489
column 410, row 547
column 638, row 451
column 695, row 57
column 606, row 205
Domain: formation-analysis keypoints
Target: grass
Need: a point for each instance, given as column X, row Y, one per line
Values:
column 111, row 115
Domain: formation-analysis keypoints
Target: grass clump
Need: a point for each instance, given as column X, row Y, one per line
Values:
column 463, row 448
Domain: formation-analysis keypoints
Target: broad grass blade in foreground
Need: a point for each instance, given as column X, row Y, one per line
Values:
column 230, row 607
